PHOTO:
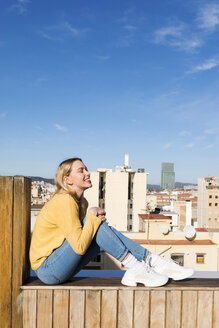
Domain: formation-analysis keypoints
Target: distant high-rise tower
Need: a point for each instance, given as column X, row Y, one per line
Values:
column 167, row 176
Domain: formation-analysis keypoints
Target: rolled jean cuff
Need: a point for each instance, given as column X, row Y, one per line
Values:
column 123, row 255
column 146, row 254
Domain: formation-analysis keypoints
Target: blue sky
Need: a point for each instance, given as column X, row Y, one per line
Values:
column 98, row 79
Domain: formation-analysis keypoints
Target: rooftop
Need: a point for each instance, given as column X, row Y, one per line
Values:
column 154, row 217
column 174, row 242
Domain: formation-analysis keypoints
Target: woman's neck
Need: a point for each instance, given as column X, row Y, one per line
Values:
column 78, row 194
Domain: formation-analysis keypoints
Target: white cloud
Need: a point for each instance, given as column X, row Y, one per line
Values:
column 207, row 65
column 168, row 145
column 184, row 133
column 60, row 128
column 130, row 23
column 2, row 115
column 190, row 145
column 128, row 15
column 60, row 31
column 72, row 30
column 178, row 37
column 130, row 27
column 199, row 138
column 162, row 34
column 209, row 146
column 211, row 131
column 20, row 6
column 103, row 58
column 208, row 17
column 40, row 80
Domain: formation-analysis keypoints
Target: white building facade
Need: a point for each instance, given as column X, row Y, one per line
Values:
column 122, row 194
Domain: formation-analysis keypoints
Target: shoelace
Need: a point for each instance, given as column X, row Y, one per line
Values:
column 148, row 268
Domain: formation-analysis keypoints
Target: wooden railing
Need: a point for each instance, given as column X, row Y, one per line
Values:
column 14, row 247
column 87, row 302
column 105, row 303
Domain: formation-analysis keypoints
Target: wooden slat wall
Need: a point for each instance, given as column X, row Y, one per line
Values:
column 120, row 308
column 15, row 193
column 6, row 213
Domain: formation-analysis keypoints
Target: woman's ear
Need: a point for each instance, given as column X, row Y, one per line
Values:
column 67, row 180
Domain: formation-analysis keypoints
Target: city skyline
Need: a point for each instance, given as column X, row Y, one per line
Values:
column 98, row 80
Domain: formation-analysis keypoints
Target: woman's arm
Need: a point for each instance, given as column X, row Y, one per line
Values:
column 67, row 217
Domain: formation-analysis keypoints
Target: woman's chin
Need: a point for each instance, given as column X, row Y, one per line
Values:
column 88, row 185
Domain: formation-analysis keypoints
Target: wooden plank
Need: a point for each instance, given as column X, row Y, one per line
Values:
column 26, row 229
column 141, row 308
column 60, row 308
column 157, row 317
column 189, row 309
column 125, row 309
column 109, row 309
column 17, row 250
column 205, row 309
column 77, row 308
column 102, row 283
column 92, row 309
column 6, row 222
column 173, row 309
column 21, row 219
column 215, row 323
column 29, row 308
column 44, row 308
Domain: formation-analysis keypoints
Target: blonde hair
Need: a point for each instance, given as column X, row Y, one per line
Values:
column 64, row 169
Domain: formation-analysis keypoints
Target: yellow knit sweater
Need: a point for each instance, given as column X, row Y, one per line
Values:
column 58, row 220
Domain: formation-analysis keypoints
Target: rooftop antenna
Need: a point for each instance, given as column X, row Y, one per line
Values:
column 126, row 160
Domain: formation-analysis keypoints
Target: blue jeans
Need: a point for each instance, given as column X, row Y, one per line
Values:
column 64, row 263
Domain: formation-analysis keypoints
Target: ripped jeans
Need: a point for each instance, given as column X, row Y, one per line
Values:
column 64, row 263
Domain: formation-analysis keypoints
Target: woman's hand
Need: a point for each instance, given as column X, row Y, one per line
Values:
column 99, row 212
column 96, row 211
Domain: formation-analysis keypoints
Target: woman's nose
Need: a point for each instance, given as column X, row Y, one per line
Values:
column 88, row 173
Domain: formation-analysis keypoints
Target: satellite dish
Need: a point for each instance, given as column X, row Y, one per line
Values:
column 189, row 232
column 164, row 229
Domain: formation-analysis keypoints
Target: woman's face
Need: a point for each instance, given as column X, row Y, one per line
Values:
column 79, row 177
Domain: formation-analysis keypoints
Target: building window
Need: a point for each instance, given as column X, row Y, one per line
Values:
column 210, row 196
column 215, row 204
column 209, row 204
column 130, row 227
column 200, row 258
column 216, row 196
column 130, row 205
column 215, row 219
column 209, row 219
column 130, row 217
column 179, row 258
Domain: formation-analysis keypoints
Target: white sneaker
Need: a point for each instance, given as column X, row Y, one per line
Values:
column 144, row 275
column 173, row 270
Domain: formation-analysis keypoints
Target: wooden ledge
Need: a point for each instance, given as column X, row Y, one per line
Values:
column 115, row 284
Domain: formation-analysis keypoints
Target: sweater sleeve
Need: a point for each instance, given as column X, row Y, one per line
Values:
column 67, row 218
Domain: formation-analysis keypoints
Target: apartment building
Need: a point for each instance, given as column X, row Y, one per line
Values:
column 122, row 194
column 208, row 203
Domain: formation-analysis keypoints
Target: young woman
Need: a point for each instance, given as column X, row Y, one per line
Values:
column 65, row 237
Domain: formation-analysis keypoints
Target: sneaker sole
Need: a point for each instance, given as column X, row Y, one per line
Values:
column 132, row 283
column 182, row 276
